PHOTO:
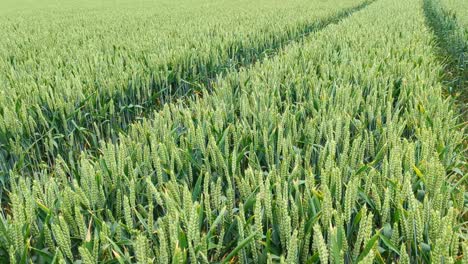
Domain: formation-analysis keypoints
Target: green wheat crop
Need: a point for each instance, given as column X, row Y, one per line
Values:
column 340, row 147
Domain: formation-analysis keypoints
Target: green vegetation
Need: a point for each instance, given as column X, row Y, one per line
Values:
column 84, row 76
column 338, row 148
column 459, row 10
column 449, row 21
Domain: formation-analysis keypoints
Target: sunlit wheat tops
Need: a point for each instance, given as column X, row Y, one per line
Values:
column 338, row 147
column 87, row 73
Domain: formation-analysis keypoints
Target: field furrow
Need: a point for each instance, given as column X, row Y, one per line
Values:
column 449, row 21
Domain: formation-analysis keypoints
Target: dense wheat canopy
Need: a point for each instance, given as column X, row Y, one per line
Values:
column 93, row 70
column 232, row 132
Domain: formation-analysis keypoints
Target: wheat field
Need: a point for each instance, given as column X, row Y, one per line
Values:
column 215, row 131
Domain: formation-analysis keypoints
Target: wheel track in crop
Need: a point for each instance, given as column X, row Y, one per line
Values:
column 453, row 48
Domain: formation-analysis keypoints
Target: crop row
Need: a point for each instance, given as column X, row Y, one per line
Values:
column 340, row 148
column 78, row 77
